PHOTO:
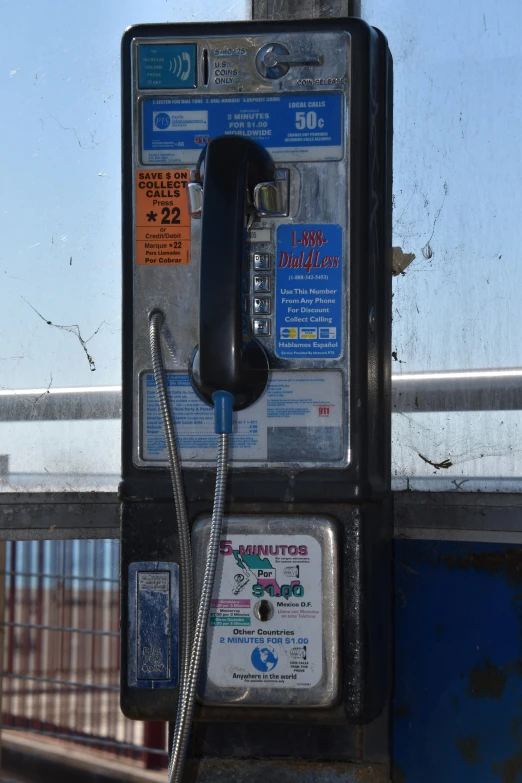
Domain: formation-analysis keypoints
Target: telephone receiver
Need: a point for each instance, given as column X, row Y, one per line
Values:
column 228, row 357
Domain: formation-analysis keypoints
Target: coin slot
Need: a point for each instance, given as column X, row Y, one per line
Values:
column 204, row 67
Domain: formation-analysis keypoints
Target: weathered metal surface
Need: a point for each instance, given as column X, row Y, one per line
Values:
column 50, row 404
column 433, row 515
column 291, row 771
column 458, row 660
column 58, row 515
column 477, row 390
column 304, row 9
column 459, row 516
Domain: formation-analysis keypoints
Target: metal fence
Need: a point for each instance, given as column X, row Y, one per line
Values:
column 60, row 670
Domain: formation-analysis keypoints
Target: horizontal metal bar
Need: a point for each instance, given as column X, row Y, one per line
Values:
column 445, row 534
column 100, row 402
column 87, row 685
column 456, row 510
column 82, row 739
column 452, row 390
column 59, row 515
column 65, row 629
column 59, row 577
column 458, row 390
column 64, row 534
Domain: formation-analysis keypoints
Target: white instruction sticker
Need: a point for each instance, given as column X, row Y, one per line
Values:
column 297, row 419
column 265, row 623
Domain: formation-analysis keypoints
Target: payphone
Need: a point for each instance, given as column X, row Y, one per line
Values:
column 256, row 337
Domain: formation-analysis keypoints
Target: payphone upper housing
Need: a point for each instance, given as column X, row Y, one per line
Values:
column 316, row 95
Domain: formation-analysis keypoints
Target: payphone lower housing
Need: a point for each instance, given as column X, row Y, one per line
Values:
column 356, row 558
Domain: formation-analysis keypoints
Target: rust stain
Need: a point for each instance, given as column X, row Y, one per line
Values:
column 469, row 749
column 487, row 681
column 507, row 562
column 510, row 769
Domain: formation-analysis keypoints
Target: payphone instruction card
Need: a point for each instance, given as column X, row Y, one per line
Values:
column 265, row 623
column 309, row 291
column 291, row 127
column 298, row 411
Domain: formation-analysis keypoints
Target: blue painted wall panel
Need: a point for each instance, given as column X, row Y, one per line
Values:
column 458, row 659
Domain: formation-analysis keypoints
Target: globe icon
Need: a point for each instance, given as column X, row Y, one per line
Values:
column 264, row 659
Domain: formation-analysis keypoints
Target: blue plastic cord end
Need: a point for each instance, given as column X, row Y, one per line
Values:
column 223, row 406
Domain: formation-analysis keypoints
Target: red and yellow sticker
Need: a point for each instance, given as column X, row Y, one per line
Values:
column 162, row 217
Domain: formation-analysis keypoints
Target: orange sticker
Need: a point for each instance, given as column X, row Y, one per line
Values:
column 162, row 217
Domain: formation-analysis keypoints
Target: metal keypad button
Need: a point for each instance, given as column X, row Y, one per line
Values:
column 261, row 283
column 261, row 261
column 261, row 326
column 262, row 305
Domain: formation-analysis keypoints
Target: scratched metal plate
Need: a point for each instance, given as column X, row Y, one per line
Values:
column 325, row 692
column 153, row 627
column 175, row 291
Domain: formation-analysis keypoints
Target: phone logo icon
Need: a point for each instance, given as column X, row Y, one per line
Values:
column 179, row 66
column 162, row 120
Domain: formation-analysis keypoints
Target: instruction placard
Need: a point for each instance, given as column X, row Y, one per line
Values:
column 309, row 291
column 265, row 622
column 303, row 405
column 162, row 217
column 302, row 126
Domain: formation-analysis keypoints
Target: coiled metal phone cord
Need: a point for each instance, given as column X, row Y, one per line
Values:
column 192, row 644
column 188, row 690
column 156, row 321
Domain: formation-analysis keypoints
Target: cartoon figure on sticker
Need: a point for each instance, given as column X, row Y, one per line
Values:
column 240, row 581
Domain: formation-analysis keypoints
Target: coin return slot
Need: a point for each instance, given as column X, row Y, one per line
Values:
column 263, row 610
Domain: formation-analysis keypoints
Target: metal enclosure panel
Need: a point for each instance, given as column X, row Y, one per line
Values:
column 458, row 685
column 279, row 633
column 319, row 195
column 153, row 628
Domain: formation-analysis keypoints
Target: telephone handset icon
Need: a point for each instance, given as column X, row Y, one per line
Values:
column 185, row 71
column 228, row 357
column 180, row 66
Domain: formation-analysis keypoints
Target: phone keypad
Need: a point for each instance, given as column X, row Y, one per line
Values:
column 261, row 326
column 260, row 261
column 261, row 283
column 262, row 305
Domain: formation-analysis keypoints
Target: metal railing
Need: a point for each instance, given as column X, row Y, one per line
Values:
column 60, row 674
column 417, row 392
